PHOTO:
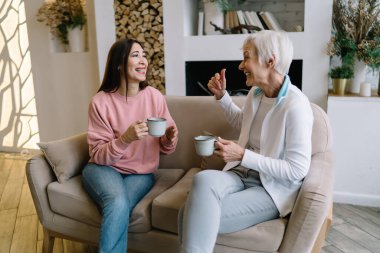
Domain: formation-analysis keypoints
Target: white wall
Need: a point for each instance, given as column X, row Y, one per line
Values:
column 356, row 131
column 105, row 31
column 65, row 82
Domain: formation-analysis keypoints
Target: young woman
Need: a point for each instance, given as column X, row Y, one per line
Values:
column 265, row 169
column 123, row 157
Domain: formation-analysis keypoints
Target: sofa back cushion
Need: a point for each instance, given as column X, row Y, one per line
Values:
column 194, row 115
column 322, row 133
column 67, row 157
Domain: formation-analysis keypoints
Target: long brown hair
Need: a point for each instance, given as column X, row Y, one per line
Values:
column 118, row 59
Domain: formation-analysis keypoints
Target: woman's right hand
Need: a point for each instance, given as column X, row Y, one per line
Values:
column 217, row 84
column 136, row 131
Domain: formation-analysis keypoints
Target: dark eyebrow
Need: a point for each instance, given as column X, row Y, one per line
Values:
column 144, row 52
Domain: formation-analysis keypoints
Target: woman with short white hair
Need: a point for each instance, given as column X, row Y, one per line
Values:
column 265, row 169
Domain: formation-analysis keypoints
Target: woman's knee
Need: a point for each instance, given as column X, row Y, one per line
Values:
column 205, row 178
column 91, row 171
column 118, row 203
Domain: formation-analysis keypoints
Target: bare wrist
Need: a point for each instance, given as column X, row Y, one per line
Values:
column 242, row 154
column 125, row 139
column 165, row 140
column 219, row 97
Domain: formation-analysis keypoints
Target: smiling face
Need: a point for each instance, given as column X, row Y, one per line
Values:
column 137, row 64
column 255, row 72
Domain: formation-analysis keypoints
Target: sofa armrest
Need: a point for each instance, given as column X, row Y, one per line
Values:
column 40, row 175
column 312, row 206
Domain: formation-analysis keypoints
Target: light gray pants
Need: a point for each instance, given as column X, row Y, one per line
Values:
column 222, row 202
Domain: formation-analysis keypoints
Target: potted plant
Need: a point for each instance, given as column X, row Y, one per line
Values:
column 356, row 38
column 62, row 16
column 340, row 76
column 53, row 15
column 76, row 33
column 225, row 5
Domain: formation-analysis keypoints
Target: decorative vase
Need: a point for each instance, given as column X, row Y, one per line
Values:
column 339, row 86
column 378, row 88
column 56, row 45
column 360, row 71
column 213, row 14
column 76, row 37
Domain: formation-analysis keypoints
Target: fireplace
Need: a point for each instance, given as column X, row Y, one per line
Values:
column 198, row 73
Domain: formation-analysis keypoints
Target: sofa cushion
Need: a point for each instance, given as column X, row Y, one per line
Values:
column 264, row 237
column 141, row 215
column 70, row 199
column 322, row 133
column 67, row 157
column 166, row 206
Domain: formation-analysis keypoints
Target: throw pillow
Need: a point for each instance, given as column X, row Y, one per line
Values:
column 67, row 157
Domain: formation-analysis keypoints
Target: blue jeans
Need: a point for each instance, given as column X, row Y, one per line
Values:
column 222, row 202
column 116, row 194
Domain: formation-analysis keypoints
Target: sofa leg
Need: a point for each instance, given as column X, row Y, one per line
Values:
column 48, row 243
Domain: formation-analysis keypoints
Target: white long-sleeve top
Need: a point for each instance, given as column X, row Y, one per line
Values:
column 285, row 142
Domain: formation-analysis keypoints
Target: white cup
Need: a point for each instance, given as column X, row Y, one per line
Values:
column 156, row 126
column 204, row 145
column 365, row 89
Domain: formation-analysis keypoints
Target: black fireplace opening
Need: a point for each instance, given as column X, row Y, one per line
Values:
column 198, row 73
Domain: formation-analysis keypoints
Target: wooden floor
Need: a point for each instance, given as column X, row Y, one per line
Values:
column 355, row 229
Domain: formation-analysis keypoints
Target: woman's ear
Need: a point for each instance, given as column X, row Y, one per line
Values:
column 271, row 62
column 121, row 70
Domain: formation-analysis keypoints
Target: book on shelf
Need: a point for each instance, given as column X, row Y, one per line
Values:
column 255, row 19
column 235, row 19
column 227, row 24
column 201, row 18
column 270, row 20
column 263, row 23
column 231, row 20
column 240, row 16
column 247, row 18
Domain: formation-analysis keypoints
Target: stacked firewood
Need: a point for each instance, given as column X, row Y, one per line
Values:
column 142, row 20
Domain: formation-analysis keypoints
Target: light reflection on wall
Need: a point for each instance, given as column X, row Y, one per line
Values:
column 18, row 114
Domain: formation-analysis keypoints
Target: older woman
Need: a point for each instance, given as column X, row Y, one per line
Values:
column 265, row 169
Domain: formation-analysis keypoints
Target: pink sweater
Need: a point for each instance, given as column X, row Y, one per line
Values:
column 110, row 115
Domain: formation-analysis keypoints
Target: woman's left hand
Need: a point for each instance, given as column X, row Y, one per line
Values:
column 171, row 133
column 229, row 151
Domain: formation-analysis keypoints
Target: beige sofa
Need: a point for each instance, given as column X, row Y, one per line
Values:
column 66, row 211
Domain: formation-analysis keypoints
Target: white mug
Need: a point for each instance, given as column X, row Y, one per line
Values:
column 156, row 126
column 204, row 145
column 365, row 89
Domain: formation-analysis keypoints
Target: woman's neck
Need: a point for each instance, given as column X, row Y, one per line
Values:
column 275, row 83
column 133, row 89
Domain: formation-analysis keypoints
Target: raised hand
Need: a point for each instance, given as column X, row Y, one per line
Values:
column 217, row 84
column 229, row 151
column 136, row 131
column 171, row 133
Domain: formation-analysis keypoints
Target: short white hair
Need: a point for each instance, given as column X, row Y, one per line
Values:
column 271, row 44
